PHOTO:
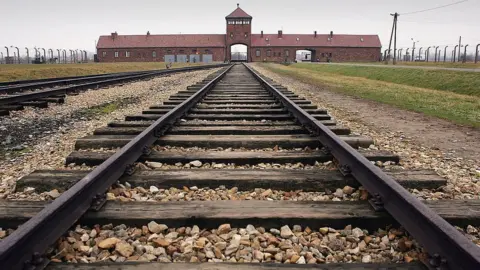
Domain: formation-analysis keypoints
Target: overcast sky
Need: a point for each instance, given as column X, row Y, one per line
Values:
column 77, row 24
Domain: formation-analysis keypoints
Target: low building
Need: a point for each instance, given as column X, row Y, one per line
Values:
column 277, row 47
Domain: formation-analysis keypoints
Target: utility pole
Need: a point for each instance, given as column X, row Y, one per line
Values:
column 393, row 36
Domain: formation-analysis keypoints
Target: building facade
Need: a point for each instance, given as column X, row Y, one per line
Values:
column 261, row 47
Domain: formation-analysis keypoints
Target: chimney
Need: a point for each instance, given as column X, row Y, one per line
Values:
column 315, row 34
column 331, row 34
column 114, row 35
column 148, row 33
column 261, row 34
column 280, row 32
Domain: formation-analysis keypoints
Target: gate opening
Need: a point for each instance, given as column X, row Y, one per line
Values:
column 304, row 56
column 238, row 53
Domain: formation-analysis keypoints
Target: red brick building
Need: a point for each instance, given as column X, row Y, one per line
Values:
column 277, row 47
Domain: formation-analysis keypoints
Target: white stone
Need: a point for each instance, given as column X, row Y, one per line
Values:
column 285, row 232
column 366, row 259
column 154, row 165
column 156, row 228
column 84, row 237
column 357, row 232
column 196, row 163
column 301, row 260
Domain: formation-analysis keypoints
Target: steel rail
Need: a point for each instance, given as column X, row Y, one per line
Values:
column 64, row 90
column 46, row 81
column 448, row 247
column 3, row 84
column 17, row 89
column 26, row 245
column 18, row 86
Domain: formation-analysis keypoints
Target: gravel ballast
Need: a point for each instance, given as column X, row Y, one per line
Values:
column 296, row 244
column 59, row 131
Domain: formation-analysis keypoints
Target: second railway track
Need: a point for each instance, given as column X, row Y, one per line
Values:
column 38, row 93
column 265, row 156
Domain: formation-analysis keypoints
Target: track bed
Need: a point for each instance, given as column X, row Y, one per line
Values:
column 229, row 171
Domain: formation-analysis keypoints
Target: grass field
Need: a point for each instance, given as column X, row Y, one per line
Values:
column 466, row 83
column 444, row 103
column 27, row 72
column 432, row 64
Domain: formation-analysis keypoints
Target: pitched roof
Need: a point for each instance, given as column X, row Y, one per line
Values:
column 150, row 41
column 238, row 13
column 308, row 40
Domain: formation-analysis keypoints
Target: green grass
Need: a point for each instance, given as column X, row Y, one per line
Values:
column 40, row 71
column 458, row 108
column 431, row 64
column 466, row 83
column 101, row 109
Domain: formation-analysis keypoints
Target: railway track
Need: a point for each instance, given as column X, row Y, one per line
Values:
column 38, row 93
column 239, row 132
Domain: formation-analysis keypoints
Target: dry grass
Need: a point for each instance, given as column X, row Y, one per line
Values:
column 460, row 82
column 428, row 64
column 29, row 72
column 458, row 108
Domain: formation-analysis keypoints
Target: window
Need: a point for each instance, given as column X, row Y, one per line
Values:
column 247, row 22
column 231, row 34
column 287, row 53
column 279, row 54
column 269, row 52
column 239, row 22
column 116, row 54
column 246, row 34
column 127, row 54
column 274, row 53
column 154, row 54
column 104, row 54
column 182, row 51
column 169, row 51
column 194, row 51
column 207, row 51
column 330, row 54
column 257, row 53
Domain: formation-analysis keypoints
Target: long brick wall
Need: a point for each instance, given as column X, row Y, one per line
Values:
column 267, row 54
column 147, row 54
column 321, row 54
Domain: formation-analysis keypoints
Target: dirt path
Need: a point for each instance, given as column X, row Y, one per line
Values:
column 438, row 134
column 431, row 132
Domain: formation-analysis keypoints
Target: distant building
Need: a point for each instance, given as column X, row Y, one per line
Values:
column 277, row 47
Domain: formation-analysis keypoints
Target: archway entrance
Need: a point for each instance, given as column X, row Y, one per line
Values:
column 305, row 56
column 239, row 53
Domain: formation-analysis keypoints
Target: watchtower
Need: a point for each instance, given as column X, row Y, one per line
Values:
column 239, row 30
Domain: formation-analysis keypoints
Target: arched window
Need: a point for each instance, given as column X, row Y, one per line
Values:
column 269, row 53
column 154, row 54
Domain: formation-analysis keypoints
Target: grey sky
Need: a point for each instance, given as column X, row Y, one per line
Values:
column 77, row 24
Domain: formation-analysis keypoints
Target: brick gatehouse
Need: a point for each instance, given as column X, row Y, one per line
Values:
column 278, row 47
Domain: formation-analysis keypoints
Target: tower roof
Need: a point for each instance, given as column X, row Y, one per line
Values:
column 238, row 13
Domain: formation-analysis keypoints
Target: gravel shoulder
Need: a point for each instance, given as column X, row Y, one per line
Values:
column 42, row 138
column 422, row 142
